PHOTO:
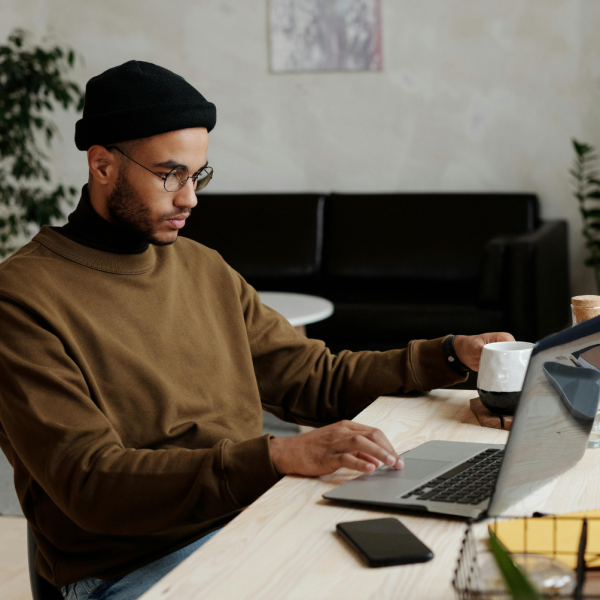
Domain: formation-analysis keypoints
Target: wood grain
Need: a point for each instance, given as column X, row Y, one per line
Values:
column 284, row 545
column 486, row 418
column 14, row 569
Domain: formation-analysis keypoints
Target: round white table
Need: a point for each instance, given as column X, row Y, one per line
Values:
column 298, row 309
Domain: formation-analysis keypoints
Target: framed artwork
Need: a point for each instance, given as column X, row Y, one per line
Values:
column 325, row 35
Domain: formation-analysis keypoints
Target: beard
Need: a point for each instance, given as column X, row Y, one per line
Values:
column 126, row 209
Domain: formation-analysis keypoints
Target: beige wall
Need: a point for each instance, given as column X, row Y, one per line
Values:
column 475, row 95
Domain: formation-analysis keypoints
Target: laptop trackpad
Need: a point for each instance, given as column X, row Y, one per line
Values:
column 420, row 468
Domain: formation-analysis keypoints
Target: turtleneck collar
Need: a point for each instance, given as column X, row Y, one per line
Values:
column 85, row 226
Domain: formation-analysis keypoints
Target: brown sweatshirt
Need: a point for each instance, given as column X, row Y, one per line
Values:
column 130, row 396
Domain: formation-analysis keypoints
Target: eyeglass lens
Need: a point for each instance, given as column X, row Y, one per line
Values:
column 177, row 178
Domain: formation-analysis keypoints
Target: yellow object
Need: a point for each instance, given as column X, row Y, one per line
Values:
column 553, row 536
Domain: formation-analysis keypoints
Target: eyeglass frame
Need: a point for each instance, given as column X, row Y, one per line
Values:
column 193, row 177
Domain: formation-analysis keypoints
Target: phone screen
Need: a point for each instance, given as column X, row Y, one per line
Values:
column 384, row 542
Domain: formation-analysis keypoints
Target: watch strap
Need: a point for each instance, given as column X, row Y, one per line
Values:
column 451, row 358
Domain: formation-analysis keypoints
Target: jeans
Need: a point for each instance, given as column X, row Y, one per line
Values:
column 134, row 584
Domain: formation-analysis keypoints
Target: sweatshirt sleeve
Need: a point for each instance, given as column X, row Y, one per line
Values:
column 50, row 424
column 301, row 381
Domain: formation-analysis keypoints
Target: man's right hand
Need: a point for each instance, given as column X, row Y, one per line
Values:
column 325, row 450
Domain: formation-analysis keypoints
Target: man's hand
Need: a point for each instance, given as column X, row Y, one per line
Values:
column 325, row 450
column 468, row 347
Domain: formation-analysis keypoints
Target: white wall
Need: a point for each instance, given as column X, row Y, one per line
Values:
column 475, row 95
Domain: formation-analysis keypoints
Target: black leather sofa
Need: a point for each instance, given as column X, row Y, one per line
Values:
column 398, row 266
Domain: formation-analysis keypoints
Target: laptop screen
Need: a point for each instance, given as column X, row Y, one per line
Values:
column 555, row 413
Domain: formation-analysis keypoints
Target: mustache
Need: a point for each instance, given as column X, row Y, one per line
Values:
column 179, row 216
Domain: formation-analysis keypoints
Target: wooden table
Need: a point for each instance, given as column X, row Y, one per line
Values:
column 284, row 545
column 14, row 568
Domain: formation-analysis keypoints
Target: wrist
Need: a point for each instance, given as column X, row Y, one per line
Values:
column 451, row 357
column 277, row 453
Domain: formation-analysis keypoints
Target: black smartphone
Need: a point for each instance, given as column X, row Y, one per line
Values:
column 384, row 542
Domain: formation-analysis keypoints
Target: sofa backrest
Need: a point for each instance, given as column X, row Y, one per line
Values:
column 265, row 237
column 437, row 236
column 400, row 247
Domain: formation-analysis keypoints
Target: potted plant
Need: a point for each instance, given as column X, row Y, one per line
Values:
column 587, row 192
column 32, row 82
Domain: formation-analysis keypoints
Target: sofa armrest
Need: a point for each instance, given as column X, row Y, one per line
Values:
column 527, row 276
column 493, row 282
column 538, row 282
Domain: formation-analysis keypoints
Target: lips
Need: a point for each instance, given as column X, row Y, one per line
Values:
column 177, row 223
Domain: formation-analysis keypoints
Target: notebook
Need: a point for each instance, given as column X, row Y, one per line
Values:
column 554, row 537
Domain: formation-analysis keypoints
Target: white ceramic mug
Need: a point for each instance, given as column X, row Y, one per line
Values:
column 502, row 369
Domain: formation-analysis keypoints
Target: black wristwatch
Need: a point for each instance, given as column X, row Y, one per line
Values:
column 451, row 359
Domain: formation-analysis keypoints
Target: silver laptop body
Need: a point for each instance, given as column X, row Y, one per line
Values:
column 549, row 435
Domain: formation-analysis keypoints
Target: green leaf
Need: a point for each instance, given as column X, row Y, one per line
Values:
column 517, row 583
column 33, row 82
column 581, row 148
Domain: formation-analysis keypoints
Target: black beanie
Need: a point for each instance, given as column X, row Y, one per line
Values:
column 137, row 100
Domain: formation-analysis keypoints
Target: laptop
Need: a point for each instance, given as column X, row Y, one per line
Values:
column 549, row 435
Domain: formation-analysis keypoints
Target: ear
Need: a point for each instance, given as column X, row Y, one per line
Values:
column 103, row 165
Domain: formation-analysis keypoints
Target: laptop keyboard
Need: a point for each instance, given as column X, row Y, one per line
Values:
column 469, row 483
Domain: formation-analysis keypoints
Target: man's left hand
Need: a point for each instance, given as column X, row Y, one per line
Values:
column 468, row 347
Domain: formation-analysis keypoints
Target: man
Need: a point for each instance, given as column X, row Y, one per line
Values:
column 134, row 365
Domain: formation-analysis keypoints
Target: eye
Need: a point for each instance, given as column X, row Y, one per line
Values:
column 176, row 179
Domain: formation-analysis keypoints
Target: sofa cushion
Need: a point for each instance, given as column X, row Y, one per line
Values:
column 262, row 236
column 419, row 236
column 388, row 290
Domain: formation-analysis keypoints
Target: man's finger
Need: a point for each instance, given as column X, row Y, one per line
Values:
column 398, row 466
column 355, row 426
column 377, row 436
column 506, row 337
column 352, row 462
column 366, row 457
column 362, row 444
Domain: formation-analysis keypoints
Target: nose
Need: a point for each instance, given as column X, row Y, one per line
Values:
column 186, row 196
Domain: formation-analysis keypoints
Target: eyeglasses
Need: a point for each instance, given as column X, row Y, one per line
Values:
column 176, row 178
